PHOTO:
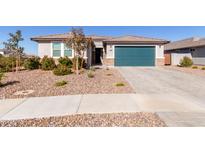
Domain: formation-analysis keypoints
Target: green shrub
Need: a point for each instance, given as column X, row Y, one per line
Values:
column 92, row 69
column 194, row 67
column 203, row 68
column 79, row 63
column 61, row 83
column 1, row 76
column 186, row 62
column 7, row 63
column 90, row 74
column 47, row 63
column 65, row 61
column 119, row 84
column 32, row 63
column 61, row 70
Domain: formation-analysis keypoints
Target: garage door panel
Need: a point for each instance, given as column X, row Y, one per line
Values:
column 134, row 56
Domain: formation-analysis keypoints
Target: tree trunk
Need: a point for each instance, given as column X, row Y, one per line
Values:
column 77, row 71
column 19, row 62
column 81, row 64
column 16, row 64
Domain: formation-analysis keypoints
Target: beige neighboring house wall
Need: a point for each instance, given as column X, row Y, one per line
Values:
column 198, row 56
column 44, row 49
column 176, row 57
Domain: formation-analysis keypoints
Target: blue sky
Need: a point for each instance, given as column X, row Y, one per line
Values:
column 165, row 32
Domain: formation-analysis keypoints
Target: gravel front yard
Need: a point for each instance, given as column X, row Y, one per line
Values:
column 189, row 70
column 92, row 120
column 43, row 83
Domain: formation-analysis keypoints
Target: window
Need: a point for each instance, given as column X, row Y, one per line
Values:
column 67, row 51
column 56, row 49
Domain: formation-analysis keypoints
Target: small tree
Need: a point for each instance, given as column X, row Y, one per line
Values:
column 79, row 43
column 12, row 44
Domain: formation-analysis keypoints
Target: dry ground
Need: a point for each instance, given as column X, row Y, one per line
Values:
column 91, row 120
column 189, row 70
column 43, row 83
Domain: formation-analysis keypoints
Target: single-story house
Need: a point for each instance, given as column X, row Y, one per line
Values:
column 192, row 47
column 111, row 51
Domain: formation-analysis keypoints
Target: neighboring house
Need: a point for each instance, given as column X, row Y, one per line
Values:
column 192, row 47
column 5, row 52
column 112, row 51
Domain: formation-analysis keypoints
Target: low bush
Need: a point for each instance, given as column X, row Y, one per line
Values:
column 203, row 68
column 79, row 63
column 92, row 69
column 65, row 61
column 90, row 74
column 7, row 63
column 186, row 62
column 61, row 83
column 119, row 84
column 47, row 63
column 194, row 67
column 32, row 63
column 1, row 76
column 61, row 70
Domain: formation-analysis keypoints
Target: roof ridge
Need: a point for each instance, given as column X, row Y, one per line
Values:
column 98, row 35
column 185, row 39
column 137, row 36
column 51, row 35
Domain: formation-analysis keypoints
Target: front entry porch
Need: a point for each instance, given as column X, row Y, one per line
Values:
column 97, row 54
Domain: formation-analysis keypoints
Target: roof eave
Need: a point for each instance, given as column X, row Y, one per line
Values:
column 144, row 42
column 47, row 39
column 169, row 49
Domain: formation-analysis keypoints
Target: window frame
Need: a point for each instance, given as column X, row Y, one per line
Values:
column 72, row 52
column 52, row 49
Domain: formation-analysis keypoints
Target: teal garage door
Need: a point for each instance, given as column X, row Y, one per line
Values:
column 134, row 55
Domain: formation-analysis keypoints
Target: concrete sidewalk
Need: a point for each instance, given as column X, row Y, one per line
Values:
column 38, row 107
column 165, row 105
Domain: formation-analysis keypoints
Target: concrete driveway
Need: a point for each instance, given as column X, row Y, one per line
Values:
column 177, row 97
column 158, row 80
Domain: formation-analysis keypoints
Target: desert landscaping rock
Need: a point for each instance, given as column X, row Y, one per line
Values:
column 189, row 70
column 43, row 83
column 91, row 120
column 24, row 92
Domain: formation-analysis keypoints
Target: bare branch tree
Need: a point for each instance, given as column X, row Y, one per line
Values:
column 12, row 45
column 79, row 43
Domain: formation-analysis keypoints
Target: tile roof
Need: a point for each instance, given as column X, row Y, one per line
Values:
column 50, row 37
column 127, row 38
column 66, row 35
column 130, row 38
column 185, row 43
